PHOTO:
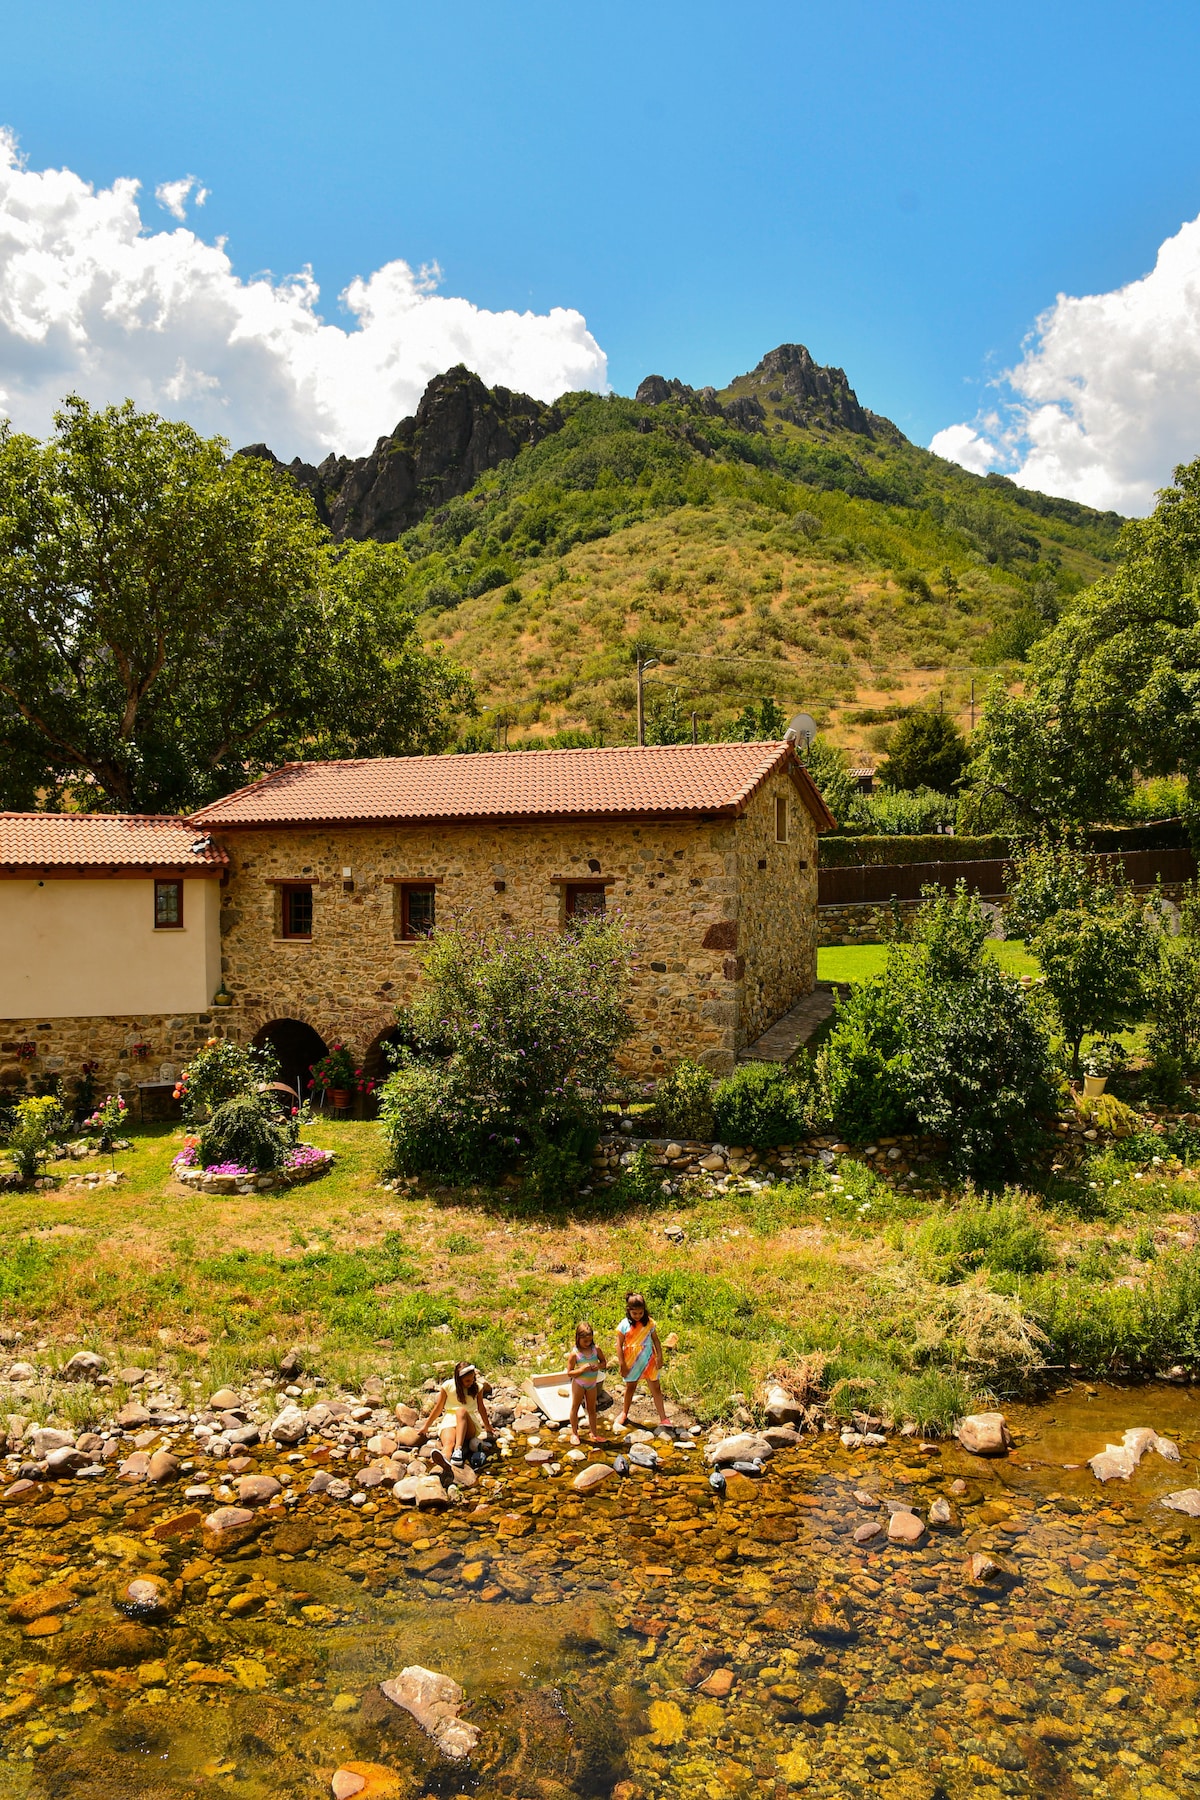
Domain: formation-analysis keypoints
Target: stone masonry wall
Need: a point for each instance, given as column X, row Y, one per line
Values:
column 677, row 883
column 62, row 1046
column 777, row 919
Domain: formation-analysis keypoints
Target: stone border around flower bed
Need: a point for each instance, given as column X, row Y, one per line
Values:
column 198, row 1181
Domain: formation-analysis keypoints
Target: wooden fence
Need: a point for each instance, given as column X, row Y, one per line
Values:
column 903, row 881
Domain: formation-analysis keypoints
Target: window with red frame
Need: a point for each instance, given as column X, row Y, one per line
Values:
column 585, row 900
column 296, row 904
column 418, row 904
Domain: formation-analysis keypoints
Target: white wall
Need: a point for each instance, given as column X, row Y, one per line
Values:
column 88, row 948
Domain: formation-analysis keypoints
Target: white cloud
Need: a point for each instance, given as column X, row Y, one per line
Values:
column 1106, row 398
column 92, row 302
column 176, row 196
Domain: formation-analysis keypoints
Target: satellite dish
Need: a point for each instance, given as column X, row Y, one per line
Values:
column 801, row 730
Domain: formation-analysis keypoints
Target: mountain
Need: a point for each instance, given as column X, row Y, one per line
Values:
column 773, row 538
column 460, row 429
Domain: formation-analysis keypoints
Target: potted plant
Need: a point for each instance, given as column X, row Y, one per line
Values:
column 335, row 1073
column 1104, row 1058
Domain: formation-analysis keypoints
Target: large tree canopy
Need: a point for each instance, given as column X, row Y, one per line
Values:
column 1114, row 689
column 174, row 620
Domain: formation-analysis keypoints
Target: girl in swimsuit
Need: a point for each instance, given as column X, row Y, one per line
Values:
column 583, row 1366
column 639, row 1354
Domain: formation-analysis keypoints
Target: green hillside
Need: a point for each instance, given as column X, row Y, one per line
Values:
column 758, row 548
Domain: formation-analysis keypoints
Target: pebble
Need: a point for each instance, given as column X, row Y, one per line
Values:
column 905, row 1528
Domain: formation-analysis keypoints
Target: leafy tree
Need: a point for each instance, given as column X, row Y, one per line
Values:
column 1092, row 936
column 763, row 724
column 173, row 620
column 665, row 723
column 942, row 1041
column 927, row 751
column 830, row 770
column 1114, row 689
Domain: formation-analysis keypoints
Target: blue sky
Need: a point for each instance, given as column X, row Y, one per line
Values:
column 905, row 190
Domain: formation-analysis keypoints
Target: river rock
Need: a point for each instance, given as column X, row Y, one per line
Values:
column 145, row 1597
column 866, row 1534
column 1187, row 1500
column 66, row 1461
column 366, row 1781
column 163, row 1466
column 22, row 1371
column 644, row 1456
column 47, row 1438
column 290, row 1426
column 256, row 1490
column 229, row 1527
column 905, row 1528
column 782, row 1408
column 225, row 1400
column 85, row 1365
column 592, row 1477
column 983, row 1434
column 749, row 1447
column 42, row 1603
column 982, row 1569
column 718, row 1685
column 940, row 1513
column 434, row 1701
column 133, row 1416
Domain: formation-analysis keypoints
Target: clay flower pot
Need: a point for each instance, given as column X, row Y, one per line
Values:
column 339, row 1099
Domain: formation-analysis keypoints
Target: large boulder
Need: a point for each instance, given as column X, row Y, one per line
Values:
column 748, row 1447
column 782, row 1408
column 434, row 1701
column 983, row 1434
column 290, row 1426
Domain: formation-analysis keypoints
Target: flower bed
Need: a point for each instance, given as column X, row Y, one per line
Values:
column 304, row 1163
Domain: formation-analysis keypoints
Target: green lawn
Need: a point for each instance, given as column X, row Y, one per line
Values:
column 858, row 962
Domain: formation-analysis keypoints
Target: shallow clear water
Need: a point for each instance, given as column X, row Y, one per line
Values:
column 585, row 1631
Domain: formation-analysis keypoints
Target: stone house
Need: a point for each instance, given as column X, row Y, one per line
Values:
column 332, row 874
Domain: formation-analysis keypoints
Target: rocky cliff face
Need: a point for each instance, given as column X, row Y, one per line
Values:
column 786, row 384
column 460, row 430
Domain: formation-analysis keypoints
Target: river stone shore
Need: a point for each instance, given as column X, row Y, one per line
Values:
column 1023, row 1630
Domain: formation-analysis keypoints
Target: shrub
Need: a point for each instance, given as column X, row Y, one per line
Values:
column 943, row 1041
column 759, row 1104
column 1097, row 945
column 220, row 1072
column 1174, row 1003
column 244, row 1132
column 683, row 1102
column 39, row 1121
column 528, row 1024
column 433, row 1128
column 108, row 1120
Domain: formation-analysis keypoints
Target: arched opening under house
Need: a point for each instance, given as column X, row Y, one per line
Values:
column 297, row 1047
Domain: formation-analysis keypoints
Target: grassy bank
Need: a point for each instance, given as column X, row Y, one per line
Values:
column 895, row 1302
column 858, row 962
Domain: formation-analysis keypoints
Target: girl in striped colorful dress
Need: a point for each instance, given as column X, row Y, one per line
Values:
column 583, row 1366
column 640, row 1354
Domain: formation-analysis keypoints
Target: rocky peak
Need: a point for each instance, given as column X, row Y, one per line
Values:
column 786, row 384
column 461, row 429
column 806, row 393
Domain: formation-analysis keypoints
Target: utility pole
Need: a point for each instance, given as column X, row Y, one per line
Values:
column 643, row 663
column 972, row 703
column 693, row 728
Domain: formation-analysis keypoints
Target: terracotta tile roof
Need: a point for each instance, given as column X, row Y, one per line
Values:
column 656, row 782
column 104, row 841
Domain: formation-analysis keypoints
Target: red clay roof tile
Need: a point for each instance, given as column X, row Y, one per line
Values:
column 653, row 782
column 104, row 841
